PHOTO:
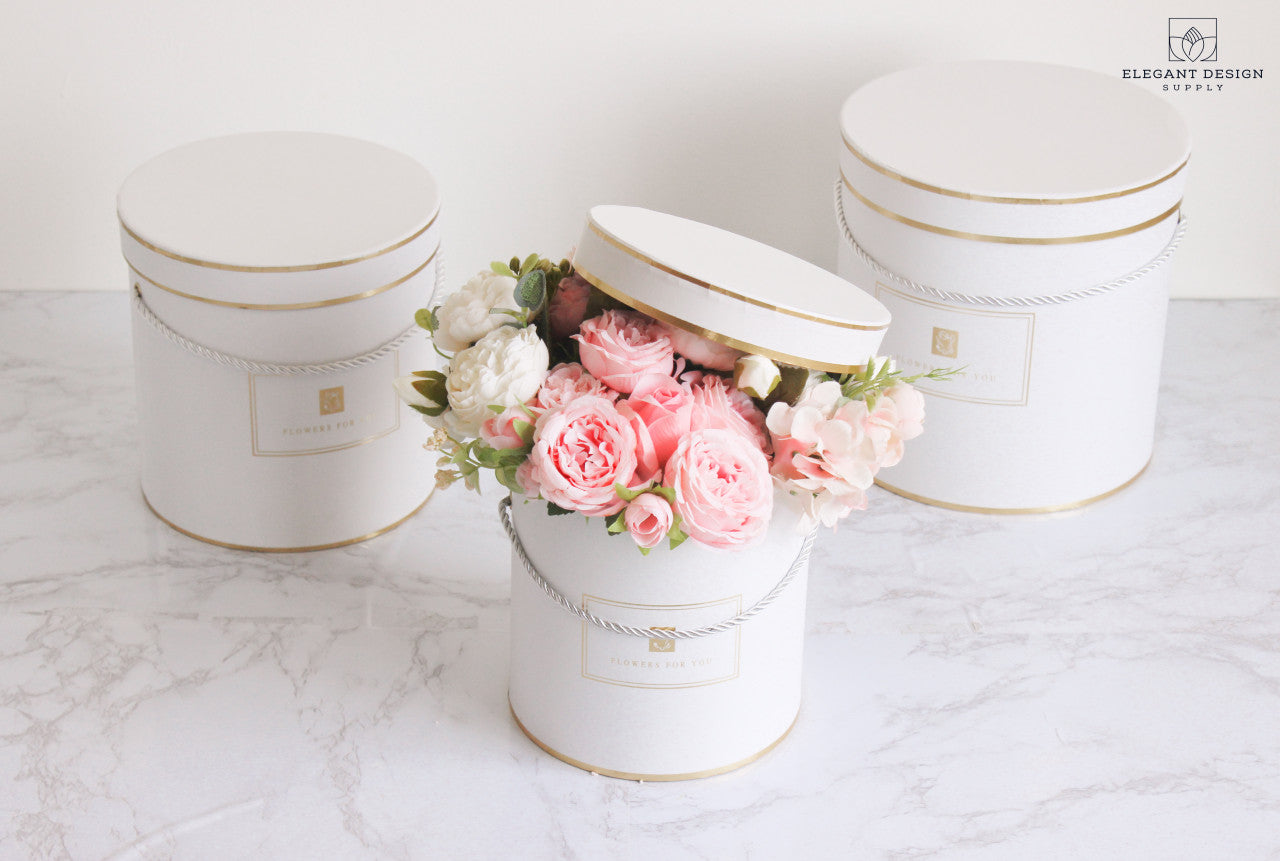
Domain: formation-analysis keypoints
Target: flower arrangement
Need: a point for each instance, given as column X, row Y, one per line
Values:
column 568, row 396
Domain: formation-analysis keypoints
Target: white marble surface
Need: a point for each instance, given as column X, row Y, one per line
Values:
column 1096, row 684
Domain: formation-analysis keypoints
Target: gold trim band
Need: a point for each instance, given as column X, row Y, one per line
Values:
column 295, row 306
column 656, row 778
column 785, row 358
column 987, row 198
column 619, row 244
column 1007, row 240
column 308, row 267
column 1046, row 509
column 329, row 546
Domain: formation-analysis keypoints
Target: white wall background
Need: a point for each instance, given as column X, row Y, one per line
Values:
column 528, row 113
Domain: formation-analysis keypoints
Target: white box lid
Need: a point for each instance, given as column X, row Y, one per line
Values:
column 277, row 219
column 1016, row 149
column 729, row 288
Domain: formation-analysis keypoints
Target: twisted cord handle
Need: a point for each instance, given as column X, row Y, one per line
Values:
column 288, row 370
column 801, row 560
column 1003, row 301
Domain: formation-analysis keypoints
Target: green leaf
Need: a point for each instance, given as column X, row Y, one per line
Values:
column 616, row 524
column 644, row 551
column 625, row 493
column 531, row 289
column 667, row 493
column 676, row 537
column 501, row 268
column 429, row 411
column 497, row 408
column 555, row 510
column 431, row 385
column 524, row 428
column 427, row 319
column 528, row 264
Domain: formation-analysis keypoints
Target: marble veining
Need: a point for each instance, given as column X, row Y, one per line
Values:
column 1103, row 683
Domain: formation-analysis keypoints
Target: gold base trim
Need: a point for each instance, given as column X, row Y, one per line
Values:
column 975, row 509
column 655, row 778
column 187, row 532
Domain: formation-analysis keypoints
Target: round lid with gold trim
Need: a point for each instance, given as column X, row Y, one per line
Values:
column 278, row 219
column 729, row 288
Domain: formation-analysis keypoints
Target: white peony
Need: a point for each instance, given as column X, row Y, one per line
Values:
column 465, row 317
column 505, row 368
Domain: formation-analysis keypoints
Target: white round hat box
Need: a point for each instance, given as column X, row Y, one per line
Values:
column 1018, row 219
column 667, row 700
column 272, row 277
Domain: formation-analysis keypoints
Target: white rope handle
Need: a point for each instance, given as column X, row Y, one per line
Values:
column 284, row 370
column 801, row 560
column 1005, row 301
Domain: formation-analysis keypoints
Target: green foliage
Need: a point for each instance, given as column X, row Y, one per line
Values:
column 427, row 318
column 531, row 289
column 555, row 510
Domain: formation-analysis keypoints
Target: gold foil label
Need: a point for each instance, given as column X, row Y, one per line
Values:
column 636, row 662
column 993, row 348
column 299, row 415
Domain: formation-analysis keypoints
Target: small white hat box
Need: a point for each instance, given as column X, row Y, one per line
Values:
column 655, row 704
column 273, row 275
column 1018, row 219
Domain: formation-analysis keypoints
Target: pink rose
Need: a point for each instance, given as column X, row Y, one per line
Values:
column 567, row 381
column 499, row 431
column 620, row 348
column 724, row 494
column 717, row 404
column 580, row 451
column 648, row 466
column 666, row 408
column 568, row 306
column 703, row 351
column 648, row 518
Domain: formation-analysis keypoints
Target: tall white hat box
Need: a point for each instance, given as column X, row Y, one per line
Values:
column 1018, row 219
column 660, row 706
column 273, row 275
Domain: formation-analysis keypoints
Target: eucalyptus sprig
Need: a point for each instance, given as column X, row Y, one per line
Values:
column 878, row 375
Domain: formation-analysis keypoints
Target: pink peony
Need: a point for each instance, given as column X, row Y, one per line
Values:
column 620, row 348
column 717, row 404
column 648, row 518
column 724, row 494
column 666, row 408
column 499, row 431
column 703, row 351
column 580, row 451
column 567, row 381
column 568, row 306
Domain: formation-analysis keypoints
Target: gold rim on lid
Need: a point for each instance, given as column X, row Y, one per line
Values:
column 1006, row 240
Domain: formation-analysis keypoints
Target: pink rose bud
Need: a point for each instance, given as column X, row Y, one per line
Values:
column 568, row 306
column 703, row 351
column 648, row 518
column 620, row 348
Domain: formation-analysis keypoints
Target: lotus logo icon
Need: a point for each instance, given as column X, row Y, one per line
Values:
column 1193, row 40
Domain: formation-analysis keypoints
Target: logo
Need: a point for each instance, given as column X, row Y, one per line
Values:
column 331, row 401
column 946, row 342
column 657, row 645
column 1193, row 40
